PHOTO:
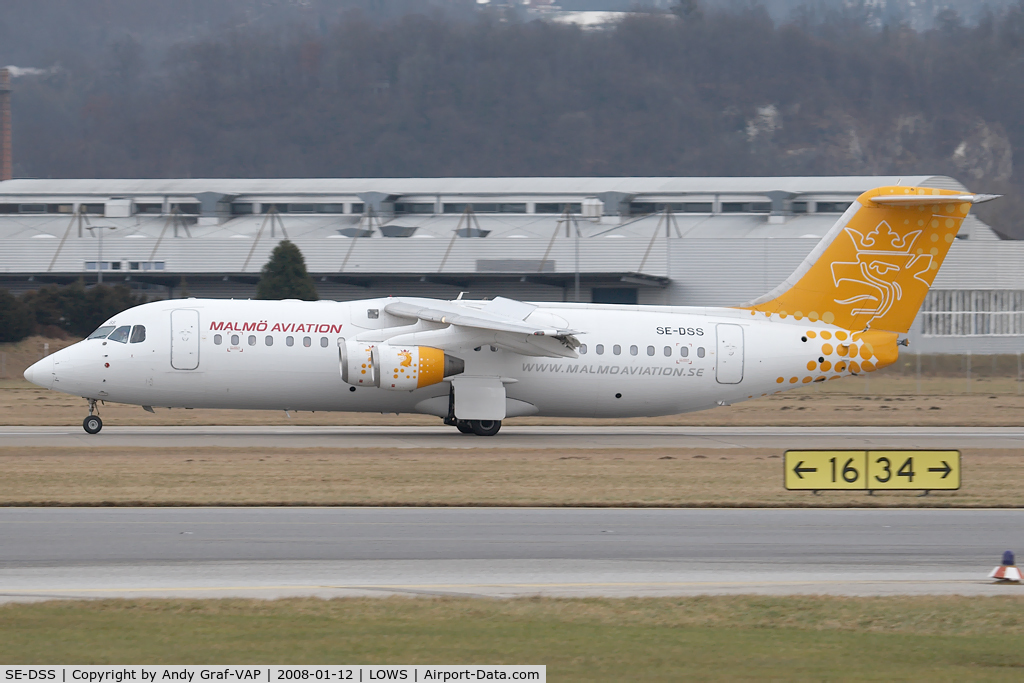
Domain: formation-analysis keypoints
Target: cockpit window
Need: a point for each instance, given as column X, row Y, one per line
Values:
column 120, row 334
column 101, row 332
column 138, row 334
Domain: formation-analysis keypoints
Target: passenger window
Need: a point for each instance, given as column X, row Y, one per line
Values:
column 668, row 351
column 234, row 340
column 289, row 341
column 101, row 333
column 700, row 352
column 217, row 339
column 252, row 340
column 583, row 349
column 120, row 334
column 650, row 350
column 307, row 342
column 138, row 334
column 616, row 349
column 684, row 351
column 324, row 342
column 600, row 349
column 633, row 350
column 269, row 340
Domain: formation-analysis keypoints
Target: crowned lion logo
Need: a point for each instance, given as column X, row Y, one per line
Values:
column 885, row 269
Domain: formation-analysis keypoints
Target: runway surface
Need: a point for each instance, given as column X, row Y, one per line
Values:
column 560, row 437
column 52, row 553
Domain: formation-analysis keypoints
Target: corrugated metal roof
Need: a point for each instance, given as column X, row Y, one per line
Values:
column 534, row 186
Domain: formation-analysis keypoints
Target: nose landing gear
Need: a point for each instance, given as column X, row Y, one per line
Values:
column 92, row 424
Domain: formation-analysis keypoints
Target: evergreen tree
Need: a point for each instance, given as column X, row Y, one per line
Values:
column 284, row 276
column 16, row 320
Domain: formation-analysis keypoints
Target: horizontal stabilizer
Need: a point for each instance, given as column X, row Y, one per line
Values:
column 925, row 200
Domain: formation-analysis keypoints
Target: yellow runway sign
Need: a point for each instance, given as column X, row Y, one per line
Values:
column 872, row 470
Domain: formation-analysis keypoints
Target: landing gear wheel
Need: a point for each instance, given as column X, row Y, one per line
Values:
column 92, row 424
column 485, row 427
column 464, row 427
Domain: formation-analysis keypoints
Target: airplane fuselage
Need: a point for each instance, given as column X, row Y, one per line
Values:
column 284, row 355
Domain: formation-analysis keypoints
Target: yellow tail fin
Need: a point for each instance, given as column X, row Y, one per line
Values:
column 874, row 267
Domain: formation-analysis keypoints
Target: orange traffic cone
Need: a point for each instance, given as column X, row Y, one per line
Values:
column 1007, row 572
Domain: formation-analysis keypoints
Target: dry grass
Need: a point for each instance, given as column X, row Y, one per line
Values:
column 705, row 638
column 487, row 477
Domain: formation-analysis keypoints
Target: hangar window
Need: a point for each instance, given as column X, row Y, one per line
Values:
column 60, row 208
column 138, row 334
column 307, row 342
column 218, row 340
column 289, row 341
column 557, row 207
column 330, row 208
column 234, row 340
column 684, row 351
column 700, row 352
column 414, row 207
column 357, row 207
column 831, row 207
column 8, row 208
column 152, row 208
column 600, row 349
column 633, row 350
column 641, row 208
column 93, row 209
column 252, row 340
column 799, row 207
column 324, row 342
column 192, row 209
column 583, row 349
column 746, row 207
column 241, row 208
column 269, row 341
column 668, row 351
column 650, row 350
column 301, row 208
column 120, row 335
column 617, row 350
column 33, row 208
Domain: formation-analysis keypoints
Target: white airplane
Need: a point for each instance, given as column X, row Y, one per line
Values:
column 475, row 363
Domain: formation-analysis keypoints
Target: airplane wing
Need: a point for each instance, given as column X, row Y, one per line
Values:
column 501, row 322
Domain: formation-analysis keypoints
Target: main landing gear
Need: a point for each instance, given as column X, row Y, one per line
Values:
column 479, row 427
column 92, row 424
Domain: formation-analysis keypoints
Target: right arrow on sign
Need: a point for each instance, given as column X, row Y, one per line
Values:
column 799, row 471
column 945, row 469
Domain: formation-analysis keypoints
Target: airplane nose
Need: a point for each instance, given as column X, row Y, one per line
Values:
column 41, row 373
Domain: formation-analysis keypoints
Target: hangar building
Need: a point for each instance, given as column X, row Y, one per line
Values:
column 680, row 241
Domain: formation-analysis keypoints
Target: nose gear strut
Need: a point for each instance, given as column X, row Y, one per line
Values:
column 92, row 424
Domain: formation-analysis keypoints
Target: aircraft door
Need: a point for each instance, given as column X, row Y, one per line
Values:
column 729, row 369
column 184, row 339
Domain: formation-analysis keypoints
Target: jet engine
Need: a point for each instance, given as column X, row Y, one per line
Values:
column 404, row 368
column 397, row 368
column 356, row 363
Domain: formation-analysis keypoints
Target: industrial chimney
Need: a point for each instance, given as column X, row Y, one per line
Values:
column 6, row 164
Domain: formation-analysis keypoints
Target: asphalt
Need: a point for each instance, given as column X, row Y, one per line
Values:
column 48, row 553
column 520, row 437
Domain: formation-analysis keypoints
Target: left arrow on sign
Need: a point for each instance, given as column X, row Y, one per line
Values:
column 799, row 471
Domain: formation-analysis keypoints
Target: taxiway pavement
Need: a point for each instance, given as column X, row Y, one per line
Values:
column 520, row 437
column 53, row 553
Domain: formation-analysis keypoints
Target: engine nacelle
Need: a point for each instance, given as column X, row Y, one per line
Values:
column 356, row 363
column 404, row 368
